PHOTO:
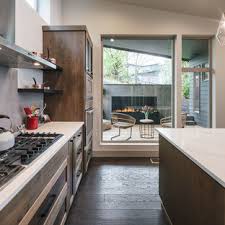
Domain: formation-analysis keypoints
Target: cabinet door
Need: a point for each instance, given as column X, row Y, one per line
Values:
column 23, row 207
column 89, row 56
column 70, row 179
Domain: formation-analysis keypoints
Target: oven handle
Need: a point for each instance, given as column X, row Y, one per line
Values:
column 90, row 111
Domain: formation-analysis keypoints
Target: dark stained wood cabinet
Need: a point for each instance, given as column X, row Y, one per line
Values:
column 48, row 196
column 71, row 46
column 189, row 195
column 41, row 199
column 75, row 162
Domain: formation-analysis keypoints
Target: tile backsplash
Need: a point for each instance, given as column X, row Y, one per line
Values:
column 12, row 102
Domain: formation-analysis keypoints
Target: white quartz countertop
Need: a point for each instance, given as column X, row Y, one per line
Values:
column 68, row 129
column 205, row 147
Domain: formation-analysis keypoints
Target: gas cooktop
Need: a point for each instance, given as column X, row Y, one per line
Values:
column 28, row 146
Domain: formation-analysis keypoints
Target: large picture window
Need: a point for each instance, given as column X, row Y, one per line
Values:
column 42, row 7
column 33, row 4
column 137, row 88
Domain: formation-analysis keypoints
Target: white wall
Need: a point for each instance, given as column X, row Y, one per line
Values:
column 56, row 12
column 102, row 17
column 28, row 34
column 28, row 27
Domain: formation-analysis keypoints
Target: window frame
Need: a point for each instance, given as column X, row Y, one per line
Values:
column 202, row 69
column 35, row 6
column 197, row 93
column 121, row 36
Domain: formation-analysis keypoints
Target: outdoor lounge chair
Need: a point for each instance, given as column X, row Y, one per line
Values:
column 123, row 121
column 167, row 121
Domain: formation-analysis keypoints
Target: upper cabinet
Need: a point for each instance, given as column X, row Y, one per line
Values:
column 89, row 55
column 71, row 46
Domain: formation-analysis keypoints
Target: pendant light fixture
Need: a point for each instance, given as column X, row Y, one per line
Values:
column 221, row 31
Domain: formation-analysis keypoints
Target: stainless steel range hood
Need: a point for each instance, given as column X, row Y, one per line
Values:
column 7, row 20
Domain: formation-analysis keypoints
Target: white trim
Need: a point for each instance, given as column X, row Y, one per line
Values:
column 178, row 82
column 122, row 153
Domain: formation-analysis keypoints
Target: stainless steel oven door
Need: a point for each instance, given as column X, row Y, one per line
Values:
column 89, row 87
column 89, row 124
column 89, row 104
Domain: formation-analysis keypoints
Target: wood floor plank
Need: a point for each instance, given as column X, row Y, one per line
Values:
column 117, row 201
column 120, row 191
column 137, row 217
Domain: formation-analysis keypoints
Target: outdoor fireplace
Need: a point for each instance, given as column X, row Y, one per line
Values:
column 132, row 105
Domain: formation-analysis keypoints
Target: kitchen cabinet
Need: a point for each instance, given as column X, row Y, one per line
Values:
column 89, row 56
column 72, row 48
column 189, row 194
column 48, row 196
column 75, row 165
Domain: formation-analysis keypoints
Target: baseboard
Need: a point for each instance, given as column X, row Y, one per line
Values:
column 126, row 154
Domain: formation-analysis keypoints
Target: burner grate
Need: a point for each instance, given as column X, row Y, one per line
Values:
column 27, row 148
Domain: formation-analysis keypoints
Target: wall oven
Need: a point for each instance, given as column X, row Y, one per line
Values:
column 89, row 86
column 89, row 93
column 89, row 109
column 88, row 121
column 89, row 124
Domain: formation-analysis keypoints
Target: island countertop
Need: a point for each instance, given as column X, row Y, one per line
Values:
column 205, row 147
column 10, row 189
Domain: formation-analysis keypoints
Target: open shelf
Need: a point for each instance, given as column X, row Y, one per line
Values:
column 13, row 56
column 44, row 91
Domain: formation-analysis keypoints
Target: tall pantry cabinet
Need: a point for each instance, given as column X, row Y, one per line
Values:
column 72, row 48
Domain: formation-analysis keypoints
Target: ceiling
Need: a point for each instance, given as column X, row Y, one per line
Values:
column 190, row 50
column 204, row 8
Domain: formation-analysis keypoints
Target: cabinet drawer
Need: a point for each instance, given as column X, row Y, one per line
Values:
column 50, row 205
column 78, row 175
column 87, row 155
column 61, row 218
column 25, row 204
column 78, row 139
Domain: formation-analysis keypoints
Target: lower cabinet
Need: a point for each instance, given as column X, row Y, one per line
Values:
column 47, row 198
column 75, row 165
column 53, row 203
column 87, row 155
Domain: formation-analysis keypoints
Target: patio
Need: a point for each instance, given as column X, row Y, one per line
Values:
column 125, row 134
column 107, row 134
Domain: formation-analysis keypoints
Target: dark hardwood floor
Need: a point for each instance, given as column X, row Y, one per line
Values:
column 118, row 192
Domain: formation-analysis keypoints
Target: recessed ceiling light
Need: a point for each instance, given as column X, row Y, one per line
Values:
column 112, row 39
column 36, row 64
column 0, row 48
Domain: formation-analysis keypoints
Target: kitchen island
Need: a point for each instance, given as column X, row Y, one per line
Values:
column 43, row 191
column 192, row 175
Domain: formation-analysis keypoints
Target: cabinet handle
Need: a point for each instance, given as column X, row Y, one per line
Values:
column 48, row 206
column 89, row 153
column 79, row 173
column 79, row 151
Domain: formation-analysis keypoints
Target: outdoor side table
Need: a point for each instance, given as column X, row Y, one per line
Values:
column 146, row 128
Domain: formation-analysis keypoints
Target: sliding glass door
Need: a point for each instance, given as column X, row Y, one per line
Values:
column 196, row 82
